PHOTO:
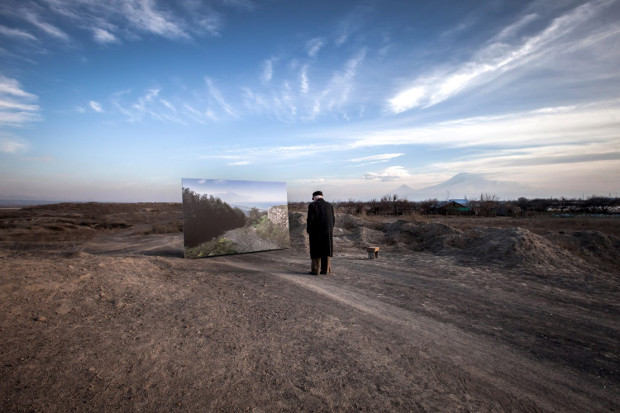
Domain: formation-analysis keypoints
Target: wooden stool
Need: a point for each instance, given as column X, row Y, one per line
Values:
column 373, row 252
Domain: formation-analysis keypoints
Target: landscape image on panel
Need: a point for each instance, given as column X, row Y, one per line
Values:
column 223, row 217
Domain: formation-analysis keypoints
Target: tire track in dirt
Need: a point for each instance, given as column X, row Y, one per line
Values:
column 124, row 243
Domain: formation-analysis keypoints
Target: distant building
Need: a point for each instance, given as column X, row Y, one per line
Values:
column 452, row 207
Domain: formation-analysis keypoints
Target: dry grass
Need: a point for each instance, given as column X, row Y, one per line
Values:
column 537, row 224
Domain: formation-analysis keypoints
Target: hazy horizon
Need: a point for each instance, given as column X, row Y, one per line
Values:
column 116, row 102
column 449, row 189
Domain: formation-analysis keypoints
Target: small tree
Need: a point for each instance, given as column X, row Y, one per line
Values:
column 427, row 205
column 487, row 204
column 390, row 205
column 374, row 207
column 254, row 216
column 351, row 207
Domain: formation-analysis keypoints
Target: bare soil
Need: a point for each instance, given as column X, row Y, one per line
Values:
column 102, row 313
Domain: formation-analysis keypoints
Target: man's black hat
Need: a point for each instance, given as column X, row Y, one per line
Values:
column 317, row 193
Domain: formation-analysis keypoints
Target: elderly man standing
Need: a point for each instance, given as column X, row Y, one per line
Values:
column 320, row 228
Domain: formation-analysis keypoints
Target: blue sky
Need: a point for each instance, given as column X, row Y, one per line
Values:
column 120, row 100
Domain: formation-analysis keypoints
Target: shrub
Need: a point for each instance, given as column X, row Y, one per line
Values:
column 220, row 246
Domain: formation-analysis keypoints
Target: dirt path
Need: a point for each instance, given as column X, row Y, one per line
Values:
column 471, row 358
column 247, row 240
column 127, row 243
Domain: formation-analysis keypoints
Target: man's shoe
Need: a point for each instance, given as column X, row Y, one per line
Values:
column 312, row 273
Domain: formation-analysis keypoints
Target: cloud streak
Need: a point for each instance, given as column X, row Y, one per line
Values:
column 391, row 174
column 218, row 99
column 12, row 145
column 579, row 134
column 17, row 107
column 95, row 106
column 113, row 21
column 104, row 37
column 313, row 46
column 497, row 57
column 17, row 110
column 375, row 159
column 16, row 34
column 556, row 125
column 381, row 157
column 267, row 71
column 272, row 155
column 44, row 26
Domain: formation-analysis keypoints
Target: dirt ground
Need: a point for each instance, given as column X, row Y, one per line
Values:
column 100, row 312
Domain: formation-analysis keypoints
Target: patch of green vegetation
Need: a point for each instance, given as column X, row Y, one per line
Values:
column 255, row 217
column 220, row 246
column 267, row 230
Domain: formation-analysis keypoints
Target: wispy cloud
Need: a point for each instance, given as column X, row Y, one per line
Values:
column 168, row 105
column 217, row 97
column 12, row 145
column 194, row 114
column 498, row 56
column 313, row 46
column 95, row 106
column 272, row 154
column 303, row 86
column 147, row 17
column 17, row 109
column 157, row 103
column 111, row 22
column 337, row 92
column 44, row 26
column 267, row 71
column 16, row 105
column 103, row 36
column 561, row 125
column 150, row 105
column 391, row 174
column 369, row 160
column 494, row 161
column 16, row 34
column 350, row 24
column 579, row 133
column 143, row 104
column 12, row 87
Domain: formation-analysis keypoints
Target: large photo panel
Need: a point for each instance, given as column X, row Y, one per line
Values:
column 222, row 217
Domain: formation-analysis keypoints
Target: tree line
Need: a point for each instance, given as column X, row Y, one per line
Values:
column 486, row 205
column 206, row 217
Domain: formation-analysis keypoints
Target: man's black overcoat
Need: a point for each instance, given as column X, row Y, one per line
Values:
column 320, row 227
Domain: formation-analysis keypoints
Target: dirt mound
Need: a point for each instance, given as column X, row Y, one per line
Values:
column 592, row 246
column 422, row 236
column 505, row 246
column 512, row 247
column 509, row 247
column 365, row 237
column 348, row 222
